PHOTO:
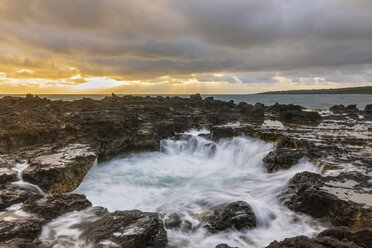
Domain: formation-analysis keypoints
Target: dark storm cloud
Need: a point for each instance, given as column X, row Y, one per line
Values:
column 144, row 39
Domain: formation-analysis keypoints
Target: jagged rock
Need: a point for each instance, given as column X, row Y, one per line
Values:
column 25, row 228
column 196, row 97
column 238, row 215
column 305, row 242
column 311, row 194
column 368, row 109
column 352, row 108
column 362, row 238
column 134, row 229
column 10, row 195
column 173, row 221
column 52, row 206
column 7, row 175
column 221, row 133
column 251, row 112
column 299, row 117
column 337, row 108
column 62, row 170
column 24, row 243
column 281, row 158
column 223, row 245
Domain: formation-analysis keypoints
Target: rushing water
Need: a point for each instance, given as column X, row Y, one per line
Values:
column 19, row 168
column 194, row 175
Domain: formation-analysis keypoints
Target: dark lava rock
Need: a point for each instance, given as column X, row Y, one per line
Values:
column 281, row 158
column 341, row 237
column 25, row 228
column 7, row 175
column 10, row 195
column 299, row 117
column 24, row 243
column 307, row 193
column 223, row 245
column 218, row 133
column 368, row 109
column 131, row 229
column 62, row 170
column 305, row 242
column 238, row 215
column 173, row 221
column 283, row 107
column 196, row 97
column 251, row 112
column 352, row 108
column 52, row 206
column 337, row 108
column 362, row 238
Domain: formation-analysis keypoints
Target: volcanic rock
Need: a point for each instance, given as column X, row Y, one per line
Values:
column 25, row 228
column 281, row 158
column 132, row 229
column 10, row 195
column 299, row 117
column 52, row 206
column 238, row 215
column 173, row 221
column 315, row 195
column 223, row 245
column 60, row 171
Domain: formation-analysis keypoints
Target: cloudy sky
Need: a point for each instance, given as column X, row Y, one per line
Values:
column 183, row 46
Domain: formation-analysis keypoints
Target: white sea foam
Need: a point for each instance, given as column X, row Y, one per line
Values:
column 191, row 177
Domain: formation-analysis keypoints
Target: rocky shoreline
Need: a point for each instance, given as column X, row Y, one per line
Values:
column 59, row 142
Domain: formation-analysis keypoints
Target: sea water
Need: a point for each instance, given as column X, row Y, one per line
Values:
column 191, row 177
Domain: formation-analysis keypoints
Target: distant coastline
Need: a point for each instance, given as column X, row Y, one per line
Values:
column 350, row 90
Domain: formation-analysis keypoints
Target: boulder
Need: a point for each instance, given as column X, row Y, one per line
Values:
column 238, row 215
column 251, row 112
column 218, row 133
column 300, row 117
column 172, row 221
column 352, row 108
column 52, row 206
column 22, row 228
column 368, row 109
column 10, row 195
column 223, row 245
column 337, row 108
column 281, row 158
column 196, row 97
column 132, row 229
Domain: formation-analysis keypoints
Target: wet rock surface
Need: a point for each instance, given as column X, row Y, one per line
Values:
column 238, row 215
column 341, row 237
column 10, row 195
column 127, row 229
column 25, row 228
column 321, row 197
column 282, row 158
column 51, row 206
column 62, row 171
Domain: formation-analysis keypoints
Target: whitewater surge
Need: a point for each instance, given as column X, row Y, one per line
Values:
column 193, row 176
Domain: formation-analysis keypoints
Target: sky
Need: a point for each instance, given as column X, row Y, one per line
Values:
column 183, row 46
